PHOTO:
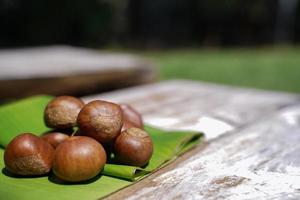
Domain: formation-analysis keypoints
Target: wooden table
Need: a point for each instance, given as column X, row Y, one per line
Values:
column 61, row 70
column 252, row 148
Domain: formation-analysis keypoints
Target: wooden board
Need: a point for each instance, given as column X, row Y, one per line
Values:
column 253, row 140
column 68, row 70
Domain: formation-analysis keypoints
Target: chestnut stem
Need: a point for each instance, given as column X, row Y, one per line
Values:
column 73, row 134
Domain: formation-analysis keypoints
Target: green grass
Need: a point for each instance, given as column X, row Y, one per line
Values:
column 267, row 68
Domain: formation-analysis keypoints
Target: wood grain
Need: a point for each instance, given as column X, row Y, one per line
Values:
column 253, row 141
column 189, row 105
column 258, row 162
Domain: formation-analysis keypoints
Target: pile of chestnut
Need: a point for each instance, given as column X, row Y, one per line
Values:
column 105, row 131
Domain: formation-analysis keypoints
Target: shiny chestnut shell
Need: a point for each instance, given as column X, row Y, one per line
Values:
column 131, row 117
column 78, row 158
column 133, row 147
column 101, row 120
column 28, row 155
column 127, row 125
column 55, row 138
column 62, row 111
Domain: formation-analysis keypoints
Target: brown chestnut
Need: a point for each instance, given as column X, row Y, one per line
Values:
column 127, row 125
column 133, row 147
column 62, row 112
column 131, row 117
column 55, row 138
column 78, row 158
column 101, row 120
column 28, row 154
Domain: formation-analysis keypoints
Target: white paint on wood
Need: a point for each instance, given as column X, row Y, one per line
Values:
column 258, row 162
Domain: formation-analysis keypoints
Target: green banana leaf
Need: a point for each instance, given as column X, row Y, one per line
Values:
column 27, row 116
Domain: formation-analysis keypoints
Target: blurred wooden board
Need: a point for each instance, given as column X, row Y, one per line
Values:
column 68, row 70
column 252, row 149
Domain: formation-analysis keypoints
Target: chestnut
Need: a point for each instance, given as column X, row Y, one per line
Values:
column 127, row 125
column 133, row 147
column 101, row 120
column 27, row 155
column 78, row 158
column 131, row 118
column 62, row 112
column 55, row 138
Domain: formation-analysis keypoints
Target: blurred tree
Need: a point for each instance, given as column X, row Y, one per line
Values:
column 285, row 21
column 35, row 22
column 145, row 23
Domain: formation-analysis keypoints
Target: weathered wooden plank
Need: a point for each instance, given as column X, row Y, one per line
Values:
column 260, row 161
column 190, row 105
column 67, row 70
column 256, row 158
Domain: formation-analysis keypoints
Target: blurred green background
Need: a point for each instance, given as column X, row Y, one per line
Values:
column 273, row 68
column 252, row 43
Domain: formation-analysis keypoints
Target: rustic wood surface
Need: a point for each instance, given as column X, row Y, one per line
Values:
column 253, row 140
column 68, row 70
